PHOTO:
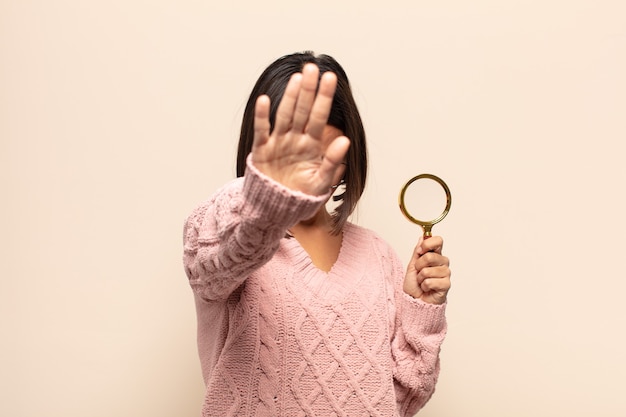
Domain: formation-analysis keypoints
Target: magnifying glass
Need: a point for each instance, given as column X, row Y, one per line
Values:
column 427, row 225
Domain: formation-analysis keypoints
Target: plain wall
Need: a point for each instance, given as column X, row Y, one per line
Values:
column 118, row 117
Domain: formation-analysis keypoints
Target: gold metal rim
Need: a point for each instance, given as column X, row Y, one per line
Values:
column 428, row 223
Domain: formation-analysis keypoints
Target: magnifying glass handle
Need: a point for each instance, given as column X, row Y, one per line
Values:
column 428, row 231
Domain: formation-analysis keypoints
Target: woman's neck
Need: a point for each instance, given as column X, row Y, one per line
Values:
column 316, row 238
column 322, row 220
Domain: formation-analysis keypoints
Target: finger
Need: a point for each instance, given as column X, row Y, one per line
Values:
column 323, row 103
column 333, row 158
column 417, row 251
column 437, row 284
column 433, row 244
column 306, row 96
column 423, row 259
column 441, row 285
column 284, row 113
column 437, row 271
column 261, row 120
column 430, row 260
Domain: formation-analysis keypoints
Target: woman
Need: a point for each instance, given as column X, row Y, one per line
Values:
column 300, row 312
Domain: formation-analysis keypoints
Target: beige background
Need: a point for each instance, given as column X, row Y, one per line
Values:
column 117, row 117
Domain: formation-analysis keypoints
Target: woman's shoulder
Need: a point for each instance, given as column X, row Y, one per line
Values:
column 372, row 250
column 368, row 237
column 361, row 231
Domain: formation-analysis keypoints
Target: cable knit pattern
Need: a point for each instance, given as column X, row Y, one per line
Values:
column 270, row 335
column 279, row 337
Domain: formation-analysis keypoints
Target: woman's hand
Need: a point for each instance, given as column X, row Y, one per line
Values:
column 296, row 153
column 428, row 274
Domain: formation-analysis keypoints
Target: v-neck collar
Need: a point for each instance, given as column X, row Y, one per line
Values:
column 343, row 276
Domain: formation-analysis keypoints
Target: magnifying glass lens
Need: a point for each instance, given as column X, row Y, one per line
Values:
column 425, row 199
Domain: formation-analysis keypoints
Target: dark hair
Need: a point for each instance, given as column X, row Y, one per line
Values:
column 344, row 115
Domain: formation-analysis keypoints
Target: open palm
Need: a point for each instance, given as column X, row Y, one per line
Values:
column 294, row 153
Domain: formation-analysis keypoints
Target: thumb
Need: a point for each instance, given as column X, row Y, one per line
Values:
column 334, row 156
column 418, row 250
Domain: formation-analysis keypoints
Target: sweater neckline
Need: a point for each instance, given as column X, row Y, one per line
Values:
column 343, row 276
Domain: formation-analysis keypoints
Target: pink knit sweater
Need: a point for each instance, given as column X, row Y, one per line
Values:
column 279, row 337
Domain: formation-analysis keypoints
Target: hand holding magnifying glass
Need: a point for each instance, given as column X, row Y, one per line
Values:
column 428, row 272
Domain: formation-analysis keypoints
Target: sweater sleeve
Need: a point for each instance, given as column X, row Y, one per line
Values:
column 238, row 230
column 418, row 333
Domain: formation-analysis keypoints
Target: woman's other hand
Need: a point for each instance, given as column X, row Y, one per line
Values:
column 428, row 274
